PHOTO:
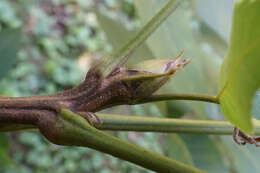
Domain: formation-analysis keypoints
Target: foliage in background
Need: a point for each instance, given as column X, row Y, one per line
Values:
column 62, row 38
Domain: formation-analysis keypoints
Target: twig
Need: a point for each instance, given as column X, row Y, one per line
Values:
column 194, row 97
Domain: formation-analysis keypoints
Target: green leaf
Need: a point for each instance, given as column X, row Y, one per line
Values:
column 239, row 77
column 9, row 45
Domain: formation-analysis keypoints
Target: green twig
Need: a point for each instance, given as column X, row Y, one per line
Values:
column 151, row 124
column 77, row 131
column 194, row 97
column 166, row 125
column 126, row 50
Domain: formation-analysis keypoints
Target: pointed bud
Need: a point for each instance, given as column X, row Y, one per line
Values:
column 150, row 75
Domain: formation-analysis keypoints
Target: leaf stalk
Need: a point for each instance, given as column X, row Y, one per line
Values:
column 192, row 97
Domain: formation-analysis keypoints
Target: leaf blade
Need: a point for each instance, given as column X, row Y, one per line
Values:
column 239, row 72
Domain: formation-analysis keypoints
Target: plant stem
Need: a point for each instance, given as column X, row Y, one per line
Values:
column 151, row 124
column 164, row 97
column 166, row 125
column 77, row 131
column 122, row 54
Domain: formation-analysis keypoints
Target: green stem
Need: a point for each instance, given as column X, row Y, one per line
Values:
column 166, row 125
column 76, row 131
column 151, row 124
column 164, row 97
column 126, row 50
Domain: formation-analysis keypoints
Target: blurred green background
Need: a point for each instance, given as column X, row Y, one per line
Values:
column 58, row 40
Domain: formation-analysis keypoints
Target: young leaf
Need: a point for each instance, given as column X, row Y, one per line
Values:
column 239, row 77
column 152, row 74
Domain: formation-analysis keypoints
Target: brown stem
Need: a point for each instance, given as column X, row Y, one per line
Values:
column 26, row 110
column 97, row 92
column 94, row 94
